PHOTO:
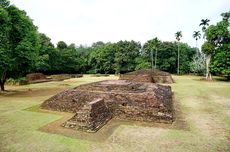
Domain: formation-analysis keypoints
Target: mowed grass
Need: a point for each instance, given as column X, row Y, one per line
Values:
column 204, row 106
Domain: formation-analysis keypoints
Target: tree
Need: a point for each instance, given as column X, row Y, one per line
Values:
column 219, row 37
column 196, row 35
column 225, row 16
column 83, row 57
column 178, row 35
column 186, row 56
column 125, row 54
column 20, row 48
column 46, row 50
column 96, row 44
column 151, row 45
column 4, row 3
column 69, row 61
column 117, row 57
column 167, row 57
column 221, row 61
column 72, row 46
column 142, row 63
column 61, row 45
column 102, row 58
column 208, row 48
column 198, row 64
column 204, row 23
column 5, row 60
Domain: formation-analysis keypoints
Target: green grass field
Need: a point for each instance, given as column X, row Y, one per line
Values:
column 203, row 106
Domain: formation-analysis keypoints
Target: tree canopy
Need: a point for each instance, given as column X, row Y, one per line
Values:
column 19, row 42
column 23, row 50
column 218, row 37
column 196, row 35
column 178, row 35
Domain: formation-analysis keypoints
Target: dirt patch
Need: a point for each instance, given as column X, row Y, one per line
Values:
column 107, row 130
column 100, row 136
column 31, row 92
column 151, row 76
column 179, row 117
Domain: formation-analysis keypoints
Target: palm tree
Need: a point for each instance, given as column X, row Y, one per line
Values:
column 156, row 42
column 204, row 23
column 152, row 45
column 178, row 35
column 208, row 48
column 196, row 35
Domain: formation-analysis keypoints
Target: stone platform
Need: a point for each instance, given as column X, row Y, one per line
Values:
column 152, row 76
column 96, row 103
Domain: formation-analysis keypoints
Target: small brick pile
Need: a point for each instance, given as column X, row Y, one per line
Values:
column 35, row 77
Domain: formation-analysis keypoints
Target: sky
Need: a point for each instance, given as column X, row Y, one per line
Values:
column 88, row 21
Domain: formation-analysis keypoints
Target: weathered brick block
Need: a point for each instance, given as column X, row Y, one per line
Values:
column 91, row 117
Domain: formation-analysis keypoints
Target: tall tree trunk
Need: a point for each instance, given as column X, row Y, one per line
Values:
column 2, row 86
column 156, row 58
column 2, row 81
column 197, row 50
column 228, row 77
column 152, row 58
column 178, row 60
column 208, row 74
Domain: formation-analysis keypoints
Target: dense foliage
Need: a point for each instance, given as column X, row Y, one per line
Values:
column 23, row 50
column 218, row 46
column 18, row 42
column 110, row 58
column 167, row 56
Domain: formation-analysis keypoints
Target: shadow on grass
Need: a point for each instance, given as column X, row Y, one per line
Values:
column 222, row 79
column 214, row 79
column 179, row 117
column 9, row 92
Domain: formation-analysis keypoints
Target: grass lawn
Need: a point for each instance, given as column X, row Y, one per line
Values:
column 203, row 106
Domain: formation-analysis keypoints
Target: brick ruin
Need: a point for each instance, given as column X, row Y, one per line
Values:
column 96, row 103
column 90, row 117
column 153, row 76
column 40, row 77
column 35, row 76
